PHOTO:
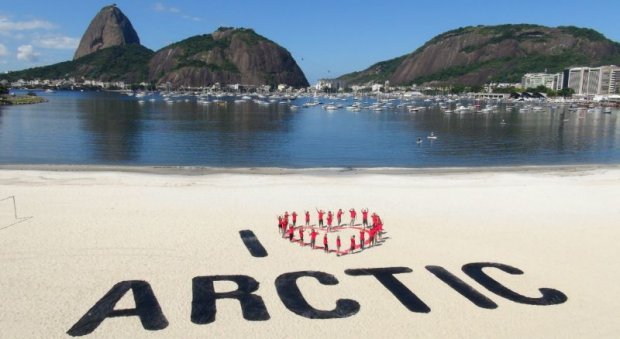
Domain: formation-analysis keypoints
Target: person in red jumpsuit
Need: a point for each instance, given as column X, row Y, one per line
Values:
column 330, row 219
column 339, row 216
column 294, row 217
column 313, row 234
column 353, row 214
column 365, row 217
column 325, row 244
column 338, row 244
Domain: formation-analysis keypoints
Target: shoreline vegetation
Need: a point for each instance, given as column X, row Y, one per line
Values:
column 27, row 99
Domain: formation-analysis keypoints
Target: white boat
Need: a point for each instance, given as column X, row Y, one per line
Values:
column 432, row 136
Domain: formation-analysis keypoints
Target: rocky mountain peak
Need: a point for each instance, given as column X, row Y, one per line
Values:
column 110, row 27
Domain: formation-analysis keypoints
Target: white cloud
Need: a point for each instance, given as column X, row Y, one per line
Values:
column 8, row 26
column 3, row 51
column 56, row 42
column 193, row 18
column 160, row 7
column 27, row 53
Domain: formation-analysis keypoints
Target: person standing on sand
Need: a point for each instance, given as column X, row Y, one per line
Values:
column 352, row 244
column 301, row 236
column 338, row 244
column 325, row 246
column 330, row 219
column 280, row 231
column 362, row 233
column 353, row 214
column 379, row 228
column 339, row 216
column 294, row 216
column 371, row 236
column 286, row 217
column 307, row 218
column 365, row 217
column 291, row 232
column 374, row 219
column 320, row 212
column 313, row 234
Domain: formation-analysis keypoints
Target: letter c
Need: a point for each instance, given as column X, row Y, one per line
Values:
column 549, row 296
column 286, row 285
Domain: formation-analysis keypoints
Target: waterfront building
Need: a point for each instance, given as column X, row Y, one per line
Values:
column 551, row 81
column 588, row 81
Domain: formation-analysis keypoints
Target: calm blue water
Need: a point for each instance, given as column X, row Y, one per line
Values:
column 114, row 129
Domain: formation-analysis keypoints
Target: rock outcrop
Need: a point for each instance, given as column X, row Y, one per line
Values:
column 482, row 54
column 109, row 28
column 228, row 56
column 110, row 50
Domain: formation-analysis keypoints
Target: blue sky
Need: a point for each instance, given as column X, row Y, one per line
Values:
column 327, row 38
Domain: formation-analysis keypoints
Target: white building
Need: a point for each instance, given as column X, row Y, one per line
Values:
column 602, row 80
column 322, row 85
column 551, row 81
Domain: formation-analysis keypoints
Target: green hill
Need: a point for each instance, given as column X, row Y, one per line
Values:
column 227, row 56
column 120, row 63
column 477, row 55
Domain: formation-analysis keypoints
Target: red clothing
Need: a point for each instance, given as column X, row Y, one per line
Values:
column 313, row 235
column 362, row 234
column 321, row 215
column 301, row 234
column 340, row 213
column 338, row 242
column 353, row 213
column 365, row 214
column 307, row 216
column 352, row 243
column 330, row 218
column 294, row 215
column 325, row 240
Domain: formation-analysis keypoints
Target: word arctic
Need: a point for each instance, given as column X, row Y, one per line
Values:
column 204, row 297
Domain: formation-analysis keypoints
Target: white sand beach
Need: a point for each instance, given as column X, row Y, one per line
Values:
column 93, row 228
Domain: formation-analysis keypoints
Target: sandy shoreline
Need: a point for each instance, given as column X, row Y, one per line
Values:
column 321, row 171
column 93, row 227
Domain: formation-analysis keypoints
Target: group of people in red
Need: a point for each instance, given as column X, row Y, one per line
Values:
column 369, row 234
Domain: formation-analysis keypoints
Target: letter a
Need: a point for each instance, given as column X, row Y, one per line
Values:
column 147, row 309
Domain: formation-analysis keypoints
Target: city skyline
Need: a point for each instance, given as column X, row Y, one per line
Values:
column 326, row 39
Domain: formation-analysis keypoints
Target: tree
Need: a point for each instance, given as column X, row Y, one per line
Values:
column 4, row 90
column 476, row 89
column 566, row 92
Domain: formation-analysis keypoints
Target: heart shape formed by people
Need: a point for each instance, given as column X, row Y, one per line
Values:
column 341, row 239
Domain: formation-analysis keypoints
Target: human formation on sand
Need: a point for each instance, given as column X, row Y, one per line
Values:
column 369, row 234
